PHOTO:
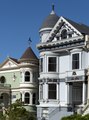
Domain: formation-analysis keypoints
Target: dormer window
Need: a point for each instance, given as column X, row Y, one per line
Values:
column 64, row 34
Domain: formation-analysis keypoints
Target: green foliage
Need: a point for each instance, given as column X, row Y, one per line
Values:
column 1, row 116
column 76, row 117
column 17, row 112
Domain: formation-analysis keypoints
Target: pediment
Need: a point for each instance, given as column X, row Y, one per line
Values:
column 63, row 30
column 9, row 63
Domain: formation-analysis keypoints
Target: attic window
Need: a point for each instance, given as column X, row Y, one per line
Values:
column 64, row 34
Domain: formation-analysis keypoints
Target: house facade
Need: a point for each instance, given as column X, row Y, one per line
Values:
column 19, row 80
column 64, row 62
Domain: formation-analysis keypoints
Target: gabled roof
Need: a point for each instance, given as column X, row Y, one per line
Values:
column 84, row 29
column 13, row 60
column 28, row 55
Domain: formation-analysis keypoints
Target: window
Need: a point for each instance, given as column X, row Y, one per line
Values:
column 27, row 76
column 2, row 79
column 41, row 92
column 70, row 35
column 34, row 98
column 64, row 34
column 52, row 64
column 51, row 91
column 75, row 61
column 27, row 98
column 41, row 65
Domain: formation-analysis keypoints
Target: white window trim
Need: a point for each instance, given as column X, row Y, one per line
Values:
column 57, row 65
column 80, row 59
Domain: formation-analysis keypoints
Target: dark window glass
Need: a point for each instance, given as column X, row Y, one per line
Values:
column 51, row 91
column 41, row 92
column 27, row 98
column 34, row 98
column 70, row 35
column 41, row 65
column 27, row 76
column 2, row 79
column 52, row 64
column 64, row 34
column 75, row 61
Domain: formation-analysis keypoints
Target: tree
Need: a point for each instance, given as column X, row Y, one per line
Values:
column 76, row 117
column 16, row 111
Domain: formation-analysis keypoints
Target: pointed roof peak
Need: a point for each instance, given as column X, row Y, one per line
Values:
column 28, row 55
column 52, row 12
column 50, row 20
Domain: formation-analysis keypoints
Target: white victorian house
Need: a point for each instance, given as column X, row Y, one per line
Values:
column 64, row 61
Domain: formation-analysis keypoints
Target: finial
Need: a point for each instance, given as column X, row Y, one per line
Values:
column 52, row 12
column 29, row 41
column 52, row 7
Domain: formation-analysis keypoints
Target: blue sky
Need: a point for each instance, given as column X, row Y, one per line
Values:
column 21, row 19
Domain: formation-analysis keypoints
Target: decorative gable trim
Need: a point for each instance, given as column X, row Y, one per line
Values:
column 58, row 25
column 9, row 63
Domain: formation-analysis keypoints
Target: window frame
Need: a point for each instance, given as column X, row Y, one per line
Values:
column 63, row 35
column 75, row 61
column 80, row 59
column 41, row 65
column 41, row 91
column 27, row 77
column 51, row 64
column 27, row 98
column 51, row 91
column 34, row 98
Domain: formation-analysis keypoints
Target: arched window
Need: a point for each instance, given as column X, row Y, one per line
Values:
column 64, row 34
column 27, row 98
column 2, row 79
column 27, row 76
column 34, row 98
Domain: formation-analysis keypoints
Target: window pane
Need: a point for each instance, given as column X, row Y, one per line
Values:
column 34, row 98
column 75, row 61
column 52, row 91
column 41, row 65
column 27, row 76
column 41, row 92
column 52, row 64
column 64, row 34
column 27, row 98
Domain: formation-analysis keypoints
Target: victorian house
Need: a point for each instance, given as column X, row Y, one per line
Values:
column 19, row 80
column 64, row 62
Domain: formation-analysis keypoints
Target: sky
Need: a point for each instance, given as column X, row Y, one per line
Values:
column 21, row 19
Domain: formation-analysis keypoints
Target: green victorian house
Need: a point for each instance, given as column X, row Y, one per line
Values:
column 18, row 80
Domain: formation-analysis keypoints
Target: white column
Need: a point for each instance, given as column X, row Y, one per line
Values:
column 23, row 96
column 88, row 91
column 83, row 93
column 23, row 76
column 31, row 94
column 46, row 91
